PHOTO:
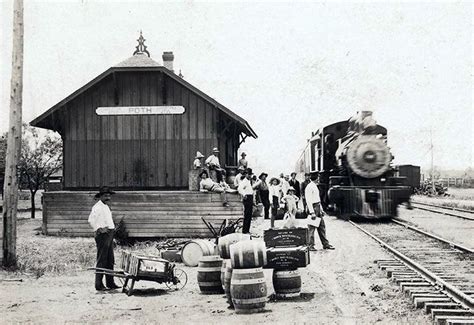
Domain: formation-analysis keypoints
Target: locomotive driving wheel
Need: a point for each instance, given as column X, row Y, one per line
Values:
column 368, row 156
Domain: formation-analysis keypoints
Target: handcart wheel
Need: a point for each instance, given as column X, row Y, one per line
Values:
column 180, row 280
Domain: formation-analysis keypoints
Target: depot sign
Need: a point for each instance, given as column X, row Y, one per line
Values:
column 140, row 110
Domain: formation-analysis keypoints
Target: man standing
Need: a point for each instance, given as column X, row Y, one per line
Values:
column 262, row 188
column 284, row 185
column 303, row 188
column 213, row 163
column 242, row 161
column 246, row 190
column 315, row 214
column 238, row 176
column 296, row 185
column 101, row 221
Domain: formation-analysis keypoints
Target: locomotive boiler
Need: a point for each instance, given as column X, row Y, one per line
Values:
column 356, row 177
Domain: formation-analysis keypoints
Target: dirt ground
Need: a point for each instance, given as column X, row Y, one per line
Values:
column 336, row 290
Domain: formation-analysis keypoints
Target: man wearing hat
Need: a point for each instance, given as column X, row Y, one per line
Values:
column 238, row 177
column 246, row 190
column 213, row 163
column 197, row 164
column 305, row 183
column 315, row 213
column 100, row 219
column 263, row 192
column 242, row 161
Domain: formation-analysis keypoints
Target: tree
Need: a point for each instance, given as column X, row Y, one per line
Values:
column 41, row 156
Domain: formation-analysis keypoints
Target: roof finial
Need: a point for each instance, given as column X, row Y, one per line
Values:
column 141, row 47
column 180, row 74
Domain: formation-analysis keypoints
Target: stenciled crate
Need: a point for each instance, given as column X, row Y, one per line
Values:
column 147, row 266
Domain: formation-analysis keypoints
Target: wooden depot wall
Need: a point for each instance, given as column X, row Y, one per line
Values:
column 139, row 151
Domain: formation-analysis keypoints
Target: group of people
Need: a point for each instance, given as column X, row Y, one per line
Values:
column 282, row 191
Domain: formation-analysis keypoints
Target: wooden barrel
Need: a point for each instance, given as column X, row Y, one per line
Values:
column 286, row 283
column 224, row 265
column 227, row 279
column 226, row 241
column 248, row 290
column 209, row 275
column 195, row 249
column 248, row 254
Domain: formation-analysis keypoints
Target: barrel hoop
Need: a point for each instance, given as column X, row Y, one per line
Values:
column 288, row 295
column 293, row 290
column 287, row 276
column 209, row 269
column 209, row 284
column 247, row 281
column 248, row 271
column 249, row 301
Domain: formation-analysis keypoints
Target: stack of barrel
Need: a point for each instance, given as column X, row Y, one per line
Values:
column 242, row 272
column 287, row 251
column 223, row 247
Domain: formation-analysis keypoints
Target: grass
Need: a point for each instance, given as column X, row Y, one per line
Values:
column 462, row 198
column 39, row 254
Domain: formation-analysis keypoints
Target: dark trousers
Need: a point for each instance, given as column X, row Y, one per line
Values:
column 265, row 202
column 105, row 257
column 248, row 209
column 275, row 206
column 321, row 233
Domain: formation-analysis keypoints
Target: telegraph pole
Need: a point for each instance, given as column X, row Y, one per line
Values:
column 10, row 186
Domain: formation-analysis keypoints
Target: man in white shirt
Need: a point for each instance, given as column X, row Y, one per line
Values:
column 238, row 177
column 315, row 213
column 212, row 162
column 246, row 190
column 100, row 219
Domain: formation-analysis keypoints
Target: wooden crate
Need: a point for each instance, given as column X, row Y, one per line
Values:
column 292, row 237
column 287, row 258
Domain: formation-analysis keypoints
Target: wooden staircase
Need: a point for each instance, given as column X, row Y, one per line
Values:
column 145, row 213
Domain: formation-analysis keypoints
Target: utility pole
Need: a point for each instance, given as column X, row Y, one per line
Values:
column 10, row 186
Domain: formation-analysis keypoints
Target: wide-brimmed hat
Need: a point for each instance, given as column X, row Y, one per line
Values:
column 215, row 149
column 204, row 172
column 241, row 168
column 103, row 190
column 262, row 174
column 199, row 155
column 249, row 171
column 274, row 179
column 291, row 188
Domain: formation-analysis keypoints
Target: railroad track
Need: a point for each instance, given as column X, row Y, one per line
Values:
column 449, row 211
column 437, row 274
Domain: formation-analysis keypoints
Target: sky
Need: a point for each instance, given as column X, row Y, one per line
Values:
column 287, row 68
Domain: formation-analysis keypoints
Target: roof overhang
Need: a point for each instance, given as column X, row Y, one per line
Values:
column 41, row 121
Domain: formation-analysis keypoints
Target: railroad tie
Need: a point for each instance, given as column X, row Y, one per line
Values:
column 440, row 305
column 458, row 320
column 441, row 316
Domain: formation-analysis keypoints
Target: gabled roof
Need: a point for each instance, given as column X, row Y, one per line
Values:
column 141, row 62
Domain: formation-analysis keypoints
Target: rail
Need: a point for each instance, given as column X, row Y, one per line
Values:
column 466, row 217
column 455, row 292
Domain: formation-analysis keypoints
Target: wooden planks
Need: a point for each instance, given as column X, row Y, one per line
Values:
column 145, row 213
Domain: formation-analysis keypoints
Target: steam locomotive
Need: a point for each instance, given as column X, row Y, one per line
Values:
column 356, row 178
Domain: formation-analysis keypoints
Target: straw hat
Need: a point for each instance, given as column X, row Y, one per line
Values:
column 291, row 188
column 199, row 155
column 215, row 149
column 274, row 179
column 262, row 174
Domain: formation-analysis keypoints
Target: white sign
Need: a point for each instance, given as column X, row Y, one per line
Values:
column 140, row 110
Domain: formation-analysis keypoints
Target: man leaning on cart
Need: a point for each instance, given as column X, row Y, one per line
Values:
column 101, row 221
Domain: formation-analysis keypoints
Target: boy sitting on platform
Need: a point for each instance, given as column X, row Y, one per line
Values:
column 208, row 185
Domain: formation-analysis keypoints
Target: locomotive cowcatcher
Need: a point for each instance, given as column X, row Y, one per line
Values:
column 356, row 177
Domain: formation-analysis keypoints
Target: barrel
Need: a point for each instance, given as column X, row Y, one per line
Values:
column 226, row 241
column 226, row 282
column 224, row 265
column 286, row 283
column 248, row 254
column 209, row 275
column 248, row 290
column 195, row 249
